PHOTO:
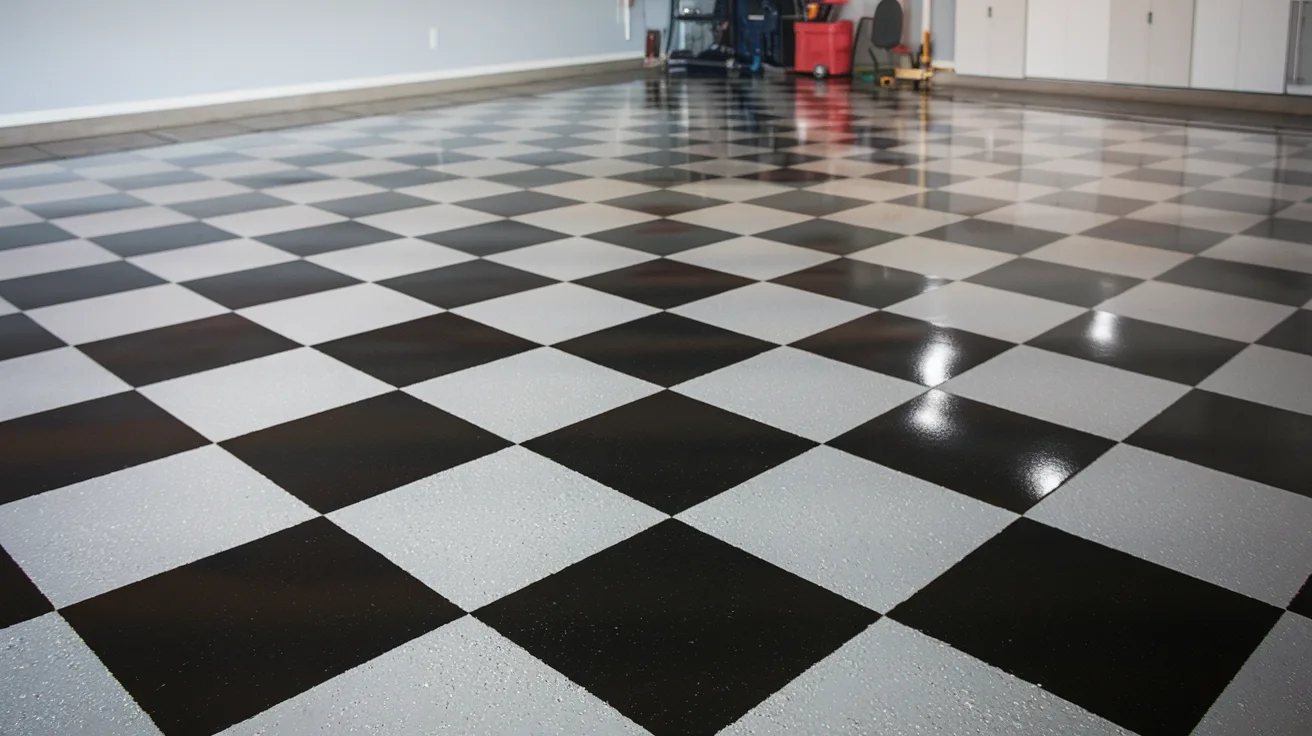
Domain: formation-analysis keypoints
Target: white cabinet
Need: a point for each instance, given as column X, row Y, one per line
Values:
column 1068, row 40
column 1240, row 45
column 1151, row 42
column 990, row 38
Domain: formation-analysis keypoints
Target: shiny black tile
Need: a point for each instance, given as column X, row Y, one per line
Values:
column 279, row 179
column 84, row 206
column 570, row 129
column 327, row 158
column 919, row 178
column 478, row 129
column 404, row 179
column 38, row 233
column 863, row 283
column 494, row 237
column 1028, row 175
column 1173, row 178
column 38, row 180
column 1302, row 603
column 211, row 159
column 905, row 348
column 663, row 176
column 1143, row 347
column 1157, row 235
column 959, row 204
column 665, row 158
column 43, row 290
column 1289, row 177
column 779, row 158
column 1297, row 231
column 1122, row 158
column 548, row 158
column 664, row 284
column 372, row 204
column 159, row 179
column 998, row 456
column 830, row 236
column 20, row 336
column 677, row 630
column 1078, row 286
column 560, row 142
column 212, row 643
column 157, row 355
column 158, row 239
column 466, row 283
column 1295, row 333
column 517, row 203
column 533, row 178
column 465, row 141
column 665, row 349
column 1089, row 202
column 662, row 237
column 415, row 351
column 1245, row 203
column 663, row 203
column 41, row 452
column 268, row 284
column 1145, row 647
column 230, row 205
column 790, row 177
column 1243, row 279
column 998, row 236
column 312, row 241
column 809, row 203
column 669, row 451
column 437, row 159
column 1254, row 441
column 19, row 598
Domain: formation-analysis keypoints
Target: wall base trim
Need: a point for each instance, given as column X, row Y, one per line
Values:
column 20, row 129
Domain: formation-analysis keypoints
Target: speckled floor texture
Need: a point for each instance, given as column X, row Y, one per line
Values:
column 750, row 407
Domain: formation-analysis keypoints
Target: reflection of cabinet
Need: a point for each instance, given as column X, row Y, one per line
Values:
column 1151, row 42
column 1240, row 45
column 1068, row 40
column 990, row 38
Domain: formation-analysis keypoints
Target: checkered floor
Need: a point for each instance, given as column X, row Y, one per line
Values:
column 743, row 407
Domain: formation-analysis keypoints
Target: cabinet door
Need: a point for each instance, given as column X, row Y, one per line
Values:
column 972, row 40
column 1263, row 46
column 1007, row 39
column 1088, row 33
column 1045, row 39
column 1171, row 42
column 1216, row 44
column 1128, row 52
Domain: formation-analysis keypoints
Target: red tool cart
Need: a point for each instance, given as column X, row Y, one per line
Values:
column 824, row 46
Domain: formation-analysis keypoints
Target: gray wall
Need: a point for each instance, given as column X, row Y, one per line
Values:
column 72, row 53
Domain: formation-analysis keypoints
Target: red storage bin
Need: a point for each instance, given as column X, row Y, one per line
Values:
column 827, row 45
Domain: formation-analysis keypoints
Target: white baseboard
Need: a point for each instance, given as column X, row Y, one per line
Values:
column 42, row 117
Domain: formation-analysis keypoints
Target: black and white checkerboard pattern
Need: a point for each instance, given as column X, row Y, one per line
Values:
column 752, row 407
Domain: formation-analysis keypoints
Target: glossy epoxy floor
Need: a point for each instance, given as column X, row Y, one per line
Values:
column 747, row 406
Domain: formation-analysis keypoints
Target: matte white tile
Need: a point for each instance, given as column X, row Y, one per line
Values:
column 731, row 190
column 555, row 313
column 51, row 379
column 103, row 317
column 1202, row 218
column 1278, row 378
column 212, row 259
column 753, row 258
column 57, row 192
column 231, row 401
column 389, row 259
column 933, row 257
column 594, row 190
column 274, row 220
column 896, row 218
column 189, row 192
column 993, row 312
column 121, row 221
column 571, row 258
column 1264, row 252
column 328, row 315
column 1110, row 256
column 1269, row 695
column 92, row 537
column 323, row 190
column 583, row 219
column 458, row 190
column 417, row 221
column 1199, row 310
column 38, row 259
column 772, row 312
column 744, row 219
column 1044, row 217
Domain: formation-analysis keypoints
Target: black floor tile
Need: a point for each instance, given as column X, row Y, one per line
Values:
column 19, row 598
column 863, row 283
column 1172, row 178
column 1295, row 333
column 466, row 283
column 1254, row 441
column 905, row 348
column 20, row 336
column 155, row 240
column 158, row 179
column 312, row 241
column 1143, row 646
column 1042, row 177
column 494, row 237
column 809, row 203
column 41, row 452
column 958, row 204
column 1157, row 235
column 342, row 456
column 1089, row 202
column 269, row 284
column 677, row 630
column 84, row 206
column 405, row 179
column 372, row 204
column 279, row 179
column 790, row 177
column 669, row 451
column 58, row 287
column 1143, row 347
column 663, row 176
column 38, row 233
column 663, row 203
column 919, row 178
column 998, row 456
column 665, row 158
column 212, row 643
column 1302, row 603
column 560, row 142
column 998, row 236
column 465, row 141
column 829, row 236
column 211, row 159
column 1245, row 203
column 1288, row 177
column 415, row 351
column 326, row 158
column 548, row 158
column 157, row 355
column 1078, row 286
column 1243, row 279
column 664, row 284
column 532, row 178
column 230, row 205
column 664, row 348
column 517, row 203
column 1298, row 231
column 662, row 237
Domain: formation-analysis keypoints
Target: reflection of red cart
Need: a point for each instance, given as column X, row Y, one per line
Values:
column 823, row 48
